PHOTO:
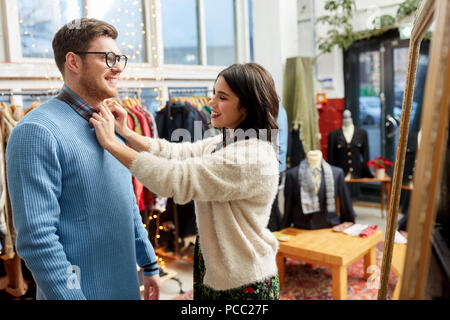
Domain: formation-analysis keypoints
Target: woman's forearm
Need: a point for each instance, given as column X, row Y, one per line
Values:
column 123, row 153
column 137, row 141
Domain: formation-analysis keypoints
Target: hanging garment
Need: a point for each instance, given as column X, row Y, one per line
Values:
column 145, row 199
column 293, row 213
column 350, row 156
column 176, row 116
column 300, row 100
column 7, row 124
column 137, row 125
column 33, row 106
column 151, row 121
column 295, row 151
column 3, row 228
column 17, row 286
column 201, row 115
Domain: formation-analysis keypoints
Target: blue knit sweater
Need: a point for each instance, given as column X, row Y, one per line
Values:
column 79, row 230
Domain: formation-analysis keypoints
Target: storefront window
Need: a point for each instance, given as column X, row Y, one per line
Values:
column 128, row 18
column 40, row 20
column 180, row 32
column 369, row 99
column 150, row 100
column 220, row 32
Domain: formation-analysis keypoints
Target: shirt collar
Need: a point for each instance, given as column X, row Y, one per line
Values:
column 75, row 102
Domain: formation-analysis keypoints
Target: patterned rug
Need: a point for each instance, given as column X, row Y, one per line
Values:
column 306, row 282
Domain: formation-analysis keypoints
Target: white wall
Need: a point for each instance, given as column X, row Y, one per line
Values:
column 275, row 35
column 2, row 37
column 332, row 65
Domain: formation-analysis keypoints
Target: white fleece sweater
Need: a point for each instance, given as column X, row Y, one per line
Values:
column 233, row 189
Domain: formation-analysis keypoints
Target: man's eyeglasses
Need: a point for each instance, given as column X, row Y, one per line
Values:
column 110, row 57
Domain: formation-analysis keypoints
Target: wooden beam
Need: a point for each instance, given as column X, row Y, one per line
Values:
column 422, row 22
column 427, row 179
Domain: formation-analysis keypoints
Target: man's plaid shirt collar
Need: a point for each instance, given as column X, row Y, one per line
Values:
column 82, row 108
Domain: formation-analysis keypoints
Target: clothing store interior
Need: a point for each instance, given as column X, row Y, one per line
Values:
column 352, row 161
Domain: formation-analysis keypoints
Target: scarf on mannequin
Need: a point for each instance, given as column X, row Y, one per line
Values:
column 309, row 194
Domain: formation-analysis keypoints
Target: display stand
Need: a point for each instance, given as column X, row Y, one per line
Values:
column 434, row 128
column 385, row 189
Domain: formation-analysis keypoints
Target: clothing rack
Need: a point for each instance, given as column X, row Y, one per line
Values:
column 183, row 91
column 136, row 91
column 30, row 93
column 55, row 92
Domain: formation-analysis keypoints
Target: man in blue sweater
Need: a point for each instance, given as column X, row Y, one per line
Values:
column 78, row 227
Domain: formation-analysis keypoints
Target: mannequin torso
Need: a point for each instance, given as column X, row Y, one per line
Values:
column 314, row 159
column 348, row 130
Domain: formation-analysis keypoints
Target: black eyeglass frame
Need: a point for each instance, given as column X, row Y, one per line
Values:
column 116, row 57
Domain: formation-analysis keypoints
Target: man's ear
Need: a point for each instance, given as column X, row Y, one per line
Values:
column 73, row 62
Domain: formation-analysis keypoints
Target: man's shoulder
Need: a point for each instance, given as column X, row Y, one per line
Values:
column 44, row 118
column 51, row 114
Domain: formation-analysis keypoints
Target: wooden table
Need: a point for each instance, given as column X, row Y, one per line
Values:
column 385, row 189
column 324, row 247
column 398, row 262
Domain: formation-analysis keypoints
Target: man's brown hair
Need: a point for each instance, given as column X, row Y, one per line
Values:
column 77, row 36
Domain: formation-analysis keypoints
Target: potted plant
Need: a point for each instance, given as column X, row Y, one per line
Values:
column 380, row 166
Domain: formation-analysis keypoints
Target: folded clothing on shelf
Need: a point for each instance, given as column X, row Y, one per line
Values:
column 355, row 229
column 368, row 231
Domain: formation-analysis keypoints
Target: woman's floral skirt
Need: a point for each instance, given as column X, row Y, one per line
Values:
column 267, row 289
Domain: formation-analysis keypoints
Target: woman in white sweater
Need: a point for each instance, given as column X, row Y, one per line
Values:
column 232, row 178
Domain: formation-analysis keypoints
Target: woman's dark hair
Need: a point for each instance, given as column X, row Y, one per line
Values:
column 255, row 88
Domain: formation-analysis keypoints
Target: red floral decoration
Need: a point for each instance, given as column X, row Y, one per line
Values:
column 379, row 163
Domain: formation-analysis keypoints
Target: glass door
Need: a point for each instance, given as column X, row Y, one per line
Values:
column 396, row 57
column 375, row 75
column 369, row 101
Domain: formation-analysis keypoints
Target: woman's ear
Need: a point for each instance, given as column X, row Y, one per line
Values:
column 243, row 111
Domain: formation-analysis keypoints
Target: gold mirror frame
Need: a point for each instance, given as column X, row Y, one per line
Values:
column 434, row 135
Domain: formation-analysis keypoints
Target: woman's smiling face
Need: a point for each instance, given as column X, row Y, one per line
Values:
column 226, row 110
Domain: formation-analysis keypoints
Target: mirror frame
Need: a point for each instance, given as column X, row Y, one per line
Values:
column 430, row 155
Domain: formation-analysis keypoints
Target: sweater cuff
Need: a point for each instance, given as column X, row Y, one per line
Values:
column 150, row 269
